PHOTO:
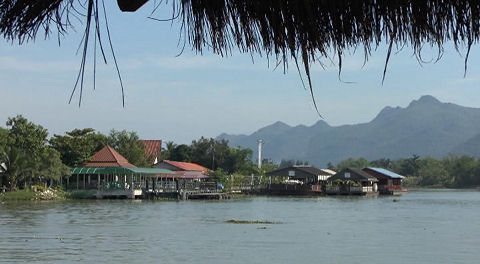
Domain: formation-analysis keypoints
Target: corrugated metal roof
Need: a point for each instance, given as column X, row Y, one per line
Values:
column 150, row 170
column 307, row 169
column 152, row 148
column 120, row 170
column 355, row 174
column 187, row 166
column 108, row 157
column 328, row 171
column 388, row 173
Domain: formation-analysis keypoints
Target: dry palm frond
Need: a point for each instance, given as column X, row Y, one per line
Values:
column 286, row 29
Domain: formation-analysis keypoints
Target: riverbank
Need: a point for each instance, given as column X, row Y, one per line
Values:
column 48, row 194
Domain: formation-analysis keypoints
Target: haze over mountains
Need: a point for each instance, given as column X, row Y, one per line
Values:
column 427, row 127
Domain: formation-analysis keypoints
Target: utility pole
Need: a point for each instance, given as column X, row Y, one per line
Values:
column 260, row 143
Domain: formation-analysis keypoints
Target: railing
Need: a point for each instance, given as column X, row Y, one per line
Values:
column 344, row 189
column 367, row 189
column 332, row 188
column 390, row 187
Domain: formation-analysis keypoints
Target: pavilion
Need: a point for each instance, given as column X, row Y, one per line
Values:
column 111, row 174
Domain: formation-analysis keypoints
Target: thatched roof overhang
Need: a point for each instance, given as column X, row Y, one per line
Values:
column 298, row 30
column 289, row 27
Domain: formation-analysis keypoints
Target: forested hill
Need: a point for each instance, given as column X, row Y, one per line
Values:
column 426, row 127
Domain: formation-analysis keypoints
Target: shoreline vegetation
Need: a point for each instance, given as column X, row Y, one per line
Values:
column 45, row 194
column 30, row 161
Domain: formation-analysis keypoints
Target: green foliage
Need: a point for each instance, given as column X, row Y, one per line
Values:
column 181, row 153
column 432, row 172
column 451, row 171
column 77, row 146
column 23, row 195
column 26, row 136
column 411, row 181
column 129, row 145
column 464, row 170
column 51, row 166
column 353, row 163
column 291, row 162
column 3, row 142
column 27, row 156
column 213, row 154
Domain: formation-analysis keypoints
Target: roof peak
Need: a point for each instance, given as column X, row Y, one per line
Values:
column 108, row 157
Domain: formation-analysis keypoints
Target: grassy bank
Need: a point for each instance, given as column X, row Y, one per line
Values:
column 17, row 196
column 46, row 194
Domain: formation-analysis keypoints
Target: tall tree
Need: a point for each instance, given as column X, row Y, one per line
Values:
column 25, row 140
column 51, row 166
column 129, row 145
column 432, row 172
column 181, row 152
column 77, row 146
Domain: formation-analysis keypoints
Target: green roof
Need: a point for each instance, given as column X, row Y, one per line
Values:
column 120, row 170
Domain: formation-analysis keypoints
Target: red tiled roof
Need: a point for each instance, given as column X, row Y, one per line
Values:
column 152, row 148
column 108, row 157
column 186, row 166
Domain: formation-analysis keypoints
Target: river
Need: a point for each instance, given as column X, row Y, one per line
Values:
column 434, row 226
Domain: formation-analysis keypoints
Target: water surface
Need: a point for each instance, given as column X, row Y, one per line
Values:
column 420, row 227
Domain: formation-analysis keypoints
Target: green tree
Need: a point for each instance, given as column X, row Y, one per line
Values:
column 26, row 136
column 129, row 145
column 51, row 166
column 203, row 152
column 77, row 146
column 17, row 167
column 3, row 140
column 410, row 166
column 382, row 163
column 432, row 172
column 330, row 166
column 353, row 163
column 26, row 143
column 464, row 170
column 284, row 163
column 3, row 154
column 169, row 147
column 181, row 152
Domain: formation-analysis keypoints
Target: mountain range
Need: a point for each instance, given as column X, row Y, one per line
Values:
column 426, row 127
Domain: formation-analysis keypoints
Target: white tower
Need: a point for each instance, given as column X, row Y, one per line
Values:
column 260, row 143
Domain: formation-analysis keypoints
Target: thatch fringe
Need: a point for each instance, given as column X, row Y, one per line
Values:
column 286, row 29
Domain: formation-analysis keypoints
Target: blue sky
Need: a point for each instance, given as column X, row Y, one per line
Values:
column 183, row 98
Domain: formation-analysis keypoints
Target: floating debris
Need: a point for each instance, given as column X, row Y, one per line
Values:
column 233, row 221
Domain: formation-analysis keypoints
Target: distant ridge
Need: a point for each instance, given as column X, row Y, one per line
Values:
column 426, row 127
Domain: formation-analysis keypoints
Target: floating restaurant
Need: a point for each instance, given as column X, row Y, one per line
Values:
column 300, row 180
column 388, row 182
column 110, row 174
column 352, row 181
column 297, row 180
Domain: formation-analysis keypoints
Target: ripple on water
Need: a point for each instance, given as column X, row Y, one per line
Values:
column 421, row 227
